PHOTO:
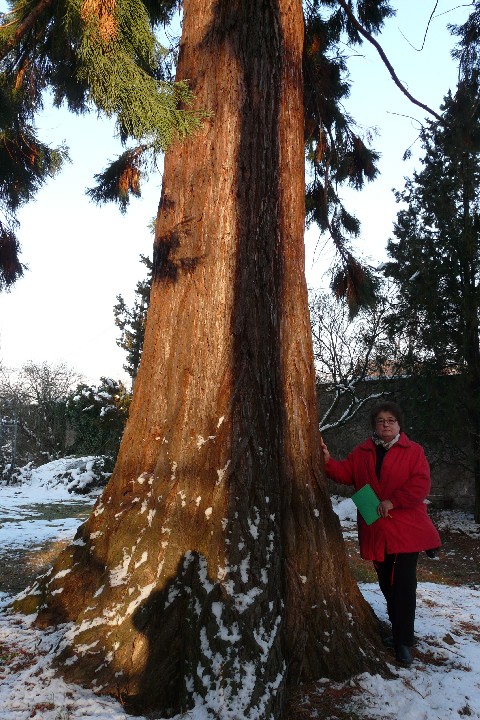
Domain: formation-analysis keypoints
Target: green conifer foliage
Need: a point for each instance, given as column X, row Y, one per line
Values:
column 92, row 55
column 131, row 321
column 104, row 55
column 336, row 153
column 25, row 165
column 97, row 416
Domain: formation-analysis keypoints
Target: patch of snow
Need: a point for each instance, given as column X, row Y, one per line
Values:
column 244, row 568
column 201, row 440
column 266, row 638
column 231, row 635
column 118, row 575
column 62, row 478
column 221, row 473
column 253, row 524
column 142, row 560
column 143, row 595
column 60, row 574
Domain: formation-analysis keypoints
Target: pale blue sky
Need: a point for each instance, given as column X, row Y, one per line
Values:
column 81, row 256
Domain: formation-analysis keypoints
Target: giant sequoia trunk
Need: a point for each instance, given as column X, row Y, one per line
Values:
column 212, row 568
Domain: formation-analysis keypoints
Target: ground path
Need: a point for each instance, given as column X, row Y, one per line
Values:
column 50, row 526
column 32, row 535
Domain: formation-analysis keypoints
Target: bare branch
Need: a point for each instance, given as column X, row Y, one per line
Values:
column 385, row 60
column 348, row 354
column 426, row 31
column 349, row 414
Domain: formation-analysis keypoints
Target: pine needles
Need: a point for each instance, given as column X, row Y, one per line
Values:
column 89, row 54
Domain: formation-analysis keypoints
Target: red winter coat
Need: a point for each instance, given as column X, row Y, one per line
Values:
column 405, row 481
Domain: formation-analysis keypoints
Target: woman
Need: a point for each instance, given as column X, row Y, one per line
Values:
column 398, row 471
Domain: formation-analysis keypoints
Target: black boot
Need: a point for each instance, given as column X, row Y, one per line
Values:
column 403, row 655
column 389, row 642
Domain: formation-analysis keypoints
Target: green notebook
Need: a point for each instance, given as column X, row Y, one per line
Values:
column 367, row 503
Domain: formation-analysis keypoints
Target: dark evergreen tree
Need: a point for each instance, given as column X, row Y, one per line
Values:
column 467, row 50
column 97, row 415
column 435, row 258
column 131, row 321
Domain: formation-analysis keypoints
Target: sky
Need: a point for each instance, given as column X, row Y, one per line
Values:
column 441, row 683
column 80, row 256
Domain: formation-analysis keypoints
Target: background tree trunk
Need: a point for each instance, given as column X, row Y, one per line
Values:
column 213, row 566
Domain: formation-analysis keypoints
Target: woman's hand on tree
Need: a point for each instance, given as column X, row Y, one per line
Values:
column 326, row 454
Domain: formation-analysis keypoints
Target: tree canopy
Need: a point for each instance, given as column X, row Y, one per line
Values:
column 91, row 56
column 435, row 253
column 105, row 57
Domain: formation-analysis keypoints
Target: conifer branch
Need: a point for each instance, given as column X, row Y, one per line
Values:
column 25, row 26
column 2, row 27
column 358, row 26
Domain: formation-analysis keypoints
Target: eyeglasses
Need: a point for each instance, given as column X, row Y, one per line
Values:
column 385, row 422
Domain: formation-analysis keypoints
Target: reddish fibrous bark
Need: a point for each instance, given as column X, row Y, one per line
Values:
column 213, row 567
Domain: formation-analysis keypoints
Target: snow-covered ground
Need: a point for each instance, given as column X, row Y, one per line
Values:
column 60, row 482
column 442, row 684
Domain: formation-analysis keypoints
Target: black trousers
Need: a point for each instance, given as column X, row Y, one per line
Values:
column 397, row 577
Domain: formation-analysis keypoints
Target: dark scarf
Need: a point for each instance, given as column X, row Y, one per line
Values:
column 381, row 450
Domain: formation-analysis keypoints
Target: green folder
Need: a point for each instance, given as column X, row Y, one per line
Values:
column 367, row 503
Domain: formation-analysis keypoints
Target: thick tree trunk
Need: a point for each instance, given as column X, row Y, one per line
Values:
column 212, row 569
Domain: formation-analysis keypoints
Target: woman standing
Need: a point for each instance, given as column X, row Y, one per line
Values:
column 398, row 472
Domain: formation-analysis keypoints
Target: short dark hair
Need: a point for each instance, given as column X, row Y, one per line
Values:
column 390, row 407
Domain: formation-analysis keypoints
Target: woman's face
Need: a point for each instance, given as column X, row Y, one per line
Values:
column 386, row 426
